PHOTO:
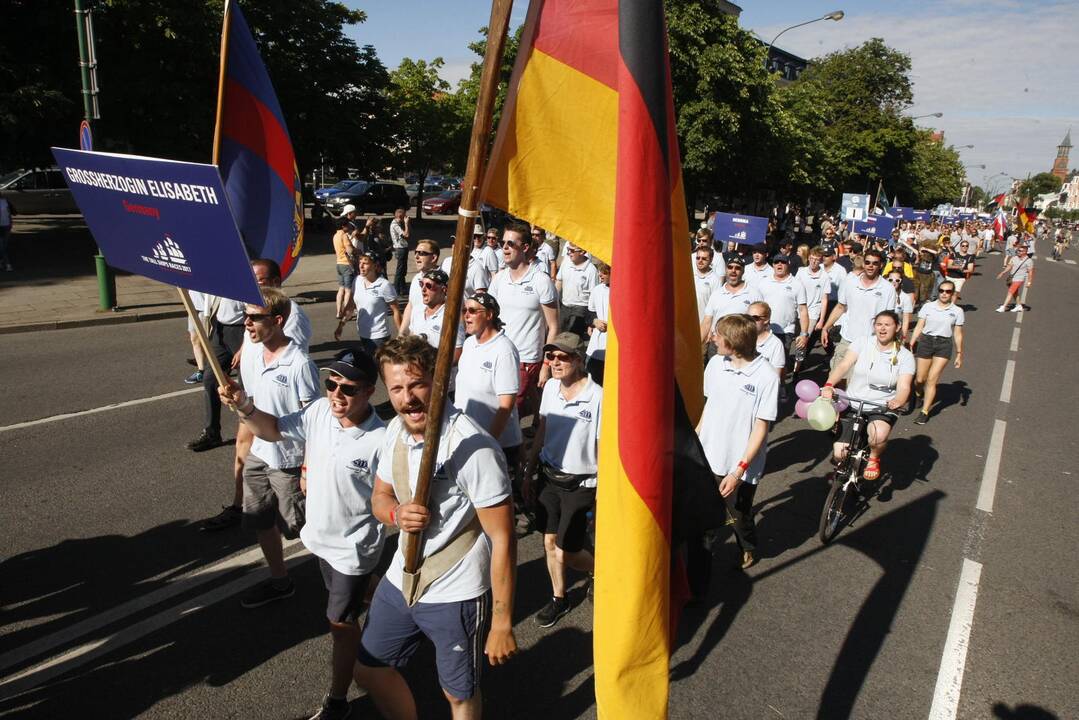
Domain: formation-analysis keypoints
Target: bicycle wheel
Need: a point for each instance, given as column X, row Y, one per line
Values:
column 834, row 511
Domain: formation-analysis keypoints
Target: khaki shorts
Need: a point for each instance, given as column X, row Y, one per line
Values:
column 272, row 496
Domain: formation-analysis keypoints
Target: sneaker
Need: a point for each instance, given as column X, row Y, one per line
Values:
column 267, row 592
column 1002, row 308
column 922, row 419
column 1017, row 308
column 194, row 378
column 228, row 517
column 205, row 441
column 333, row 709
column 552, row 611
column 748, row 560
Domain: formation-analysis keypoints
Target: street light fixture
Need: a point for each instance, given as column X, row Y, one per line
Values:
column 934, row 115
column 835, row 15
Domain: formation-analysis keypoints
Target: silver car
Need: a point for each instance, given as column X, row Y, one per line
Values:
column 37, row 191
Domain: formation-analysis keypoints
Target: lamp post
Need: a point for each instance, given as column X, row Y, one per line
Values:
column 835, row 15
column 967, row 188
column 933, row 115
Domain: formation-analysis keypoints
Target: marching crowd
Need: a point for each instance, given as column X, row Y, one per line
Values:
column 519, row 442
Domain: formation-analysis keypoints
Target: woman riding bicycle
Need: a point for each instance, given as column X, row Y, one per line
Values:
column 939, row 328
column 881, row 372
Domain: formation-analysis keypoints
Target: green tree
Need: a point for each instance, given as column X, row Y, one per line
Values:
column 935, row 174
column 423, row 119
column 1039, row 184
column 977, row 197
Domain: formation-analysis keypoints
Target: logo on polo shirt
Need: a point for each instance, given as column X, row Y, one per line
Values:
column 528, row 290
column 878, row 293
column 585, row 415
column 281, row 380
column 749, row 388
column 488, row 365
column 360, row 464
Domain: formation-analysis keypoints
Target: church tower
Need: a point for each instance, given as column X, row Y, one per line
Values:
column 1060, row 165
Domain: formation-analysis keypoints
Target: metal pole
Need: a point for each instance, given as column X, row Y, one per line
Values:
column 106, row 280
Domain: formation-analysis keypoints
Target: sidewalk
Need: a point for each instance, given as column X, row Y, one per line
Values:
column 54, row 285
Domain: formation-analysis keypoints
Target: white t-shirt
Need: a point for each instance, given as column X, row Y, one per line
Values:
column 488, row 257
column 341, row 464
column 736, row 398
column 753, row 274
column 431, row 325
column 904, row 303
column 520, row 302
column 874, row 376
column 229, row 312
column 725, row 301
column 941, row 320
column 571, row 432
column 545, row 256
column 373, row 307
column 284, row 386
column 836, row 274
column 817, row 288
column 470, row 472
column 705, row 285
column 599, row 302
column 863, row 304
column 486, row 371
column 771, row 349
column 784, row 297
column 577, row 281
column 476, row 275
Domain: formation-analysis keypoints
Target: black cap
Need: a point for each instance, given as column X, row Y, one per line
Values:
column 488, row 302
column 829, row 250
column 436, row 275
column 781, row 259
column 760, row 249
column 354, row 365
column 737, row 260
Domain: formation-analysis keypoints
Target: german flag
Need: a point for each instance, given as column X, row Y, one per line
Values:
column 1026, row 217
column 587, row 148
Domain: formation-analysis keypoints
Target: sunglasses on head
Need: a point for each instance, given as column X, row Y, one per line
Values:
column 346, row 390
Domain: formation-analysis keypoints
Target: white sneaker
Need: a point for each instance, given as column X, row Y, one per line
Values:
column 1001, row 309
column 1017, row 308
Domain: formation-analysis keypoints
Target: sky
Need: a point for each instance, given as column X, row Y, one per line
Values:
column 1002, row 72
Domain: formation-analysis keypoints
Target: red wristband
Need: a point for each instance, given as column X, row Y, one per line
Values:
column 743, row 465
column 828, row 385
column 393, row 515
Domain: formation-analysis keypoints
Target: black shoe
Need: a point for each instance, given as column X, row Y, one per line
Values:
column 333, row 709
column 552, row 611
column 267, row 592
column 922, row 419
column 205, row 441
column 228, row 517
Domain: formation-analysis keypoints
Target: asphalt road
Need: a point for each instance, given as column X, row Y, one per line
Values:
column 113, row 605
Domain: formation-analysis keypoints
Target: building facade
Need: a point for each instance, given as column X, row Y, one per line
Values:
column 1060, row 164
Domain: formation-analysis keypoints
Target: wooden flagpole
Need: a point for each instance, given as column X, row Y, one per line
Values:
column 466, row 219
column 185, row 296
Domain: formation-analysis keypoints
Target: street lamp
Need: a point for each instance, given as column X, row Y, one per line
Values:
column 935, row 115
column 963, row 147
column 836, row 15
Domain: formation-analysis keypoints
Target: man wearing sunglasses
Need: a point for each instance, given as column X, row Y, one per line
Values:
column 544, row 253
column 426, row 255
column 343, row 437
column 576, row 278
column 861, row 298
column 705, row 278
column 733, row 296
column 428, row 320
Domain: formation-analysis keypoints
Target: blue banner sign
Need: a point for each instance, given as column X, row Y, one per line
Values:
column 855, row 206
column 165, row 220
column 922, row 215
column 878, row 226
column 903, row 213
column 740, row 229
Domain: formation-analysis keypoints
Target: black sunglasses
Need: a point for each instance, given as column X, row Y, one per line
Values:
column 256, row 317
column 346, row 390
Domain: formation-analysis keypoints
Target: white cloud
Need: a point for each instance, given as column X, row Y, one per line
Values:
column 1001, row 71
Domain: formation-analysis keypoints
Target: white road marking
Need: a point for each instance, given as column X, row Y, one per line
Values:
column 183, row 584
column 1009, row 375
column 988, row 489
column 104, row 408
column 78, row 656
column 1070, row 262
column 954, row 659
column 1015, row 340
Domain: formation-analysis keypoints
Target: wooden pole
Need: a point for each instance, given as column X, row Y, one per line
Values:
column 477, row 160
column 204, row 340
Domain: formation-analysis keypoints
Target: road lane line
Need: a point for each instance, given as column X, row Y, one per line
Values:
column 988, row 489
column 104, row 408
column 954, row 658
column 76, row 657
column 1006, row 386
column 1015, row 340
column 184, row 583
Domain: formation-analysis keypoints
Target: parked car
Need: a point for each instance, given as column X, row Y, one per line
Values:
column 38, row 191
column 429, row 189
column 445, row 203
column 325, row 193
column 370, row 197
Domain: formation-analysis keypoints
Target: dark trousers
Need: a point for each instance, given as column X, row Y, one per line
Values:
column 226, row 341
column 741, row 509
column 401, row 255
column 576, row 319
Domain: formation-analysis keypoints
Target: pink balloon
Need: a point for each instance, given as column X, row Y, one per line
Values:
column 841, row 403
column 807, row 390
column 801, row 408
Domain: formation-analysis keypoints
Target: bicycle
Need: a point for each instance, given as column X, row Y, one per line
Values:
column 848, row 472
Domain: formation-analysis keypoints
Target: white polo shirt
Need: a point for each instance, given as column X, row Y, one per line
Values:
column 705, row 285
column 487, row 256
column 874, row 376
column 373, row 307
column 836, row 275
column 940, row 321
column 520, row 302
column 771, row 349
column 545, row 256
column 284, row 386
column 753, row 274
column 863, row 304
column 817, row 287
column 784, row 297
column 431, row 325
column 736, row 398
column 476, row 275
column 571, row 431
column 577, row 282
column 229, row 312
column 415, row 299
column 470, row 472
column 599, row 302
column 341, row 463
column 904, row 303
column 484, row 372
column 725, row 301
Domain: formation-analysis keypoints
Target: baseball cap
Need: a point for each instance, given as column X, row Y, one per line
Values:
column 760, row 249
column 486, row 300
column 436, row 275
column 354, row 365
column 781, row 259
column 737, row 260
column 567, row 342
column 829, row 251
column 350, row 208
column 477, row 229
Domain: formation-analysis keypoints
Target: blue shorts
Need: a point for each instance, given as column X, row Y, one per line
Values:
column 393, row 631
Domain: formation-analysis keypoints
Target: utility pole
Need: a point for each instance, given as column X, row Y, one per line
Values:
column 84, row 29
